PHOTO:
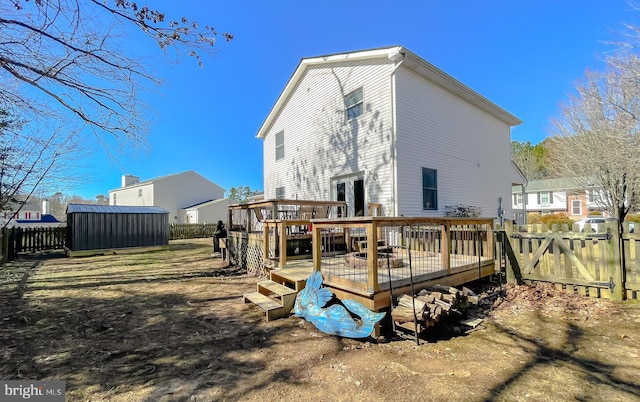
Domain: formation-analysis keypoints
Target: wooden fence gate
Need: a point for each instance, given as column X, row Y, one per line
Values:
column 587, row 263
column 18, row 240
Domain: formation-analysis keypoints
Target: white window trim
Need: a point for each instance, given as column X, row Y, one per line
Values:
column 359, row 103
column 579, row 207
column 280, row 146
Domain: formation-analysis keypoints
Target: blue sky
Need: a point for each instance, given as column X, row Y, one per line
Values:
column 523, row 55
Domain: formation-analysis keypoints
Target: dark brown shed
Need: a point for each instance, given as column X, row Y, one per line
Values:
column 99, row 227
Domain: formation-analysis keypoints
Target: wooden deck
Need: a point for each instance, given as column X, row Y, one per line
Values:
column 350, row 283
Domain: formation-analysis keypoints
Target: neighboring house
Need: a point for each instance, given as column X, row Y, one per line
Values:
column 550, row 196
column 30, row 215
column 176, row 193
column 385, row 126
column 209, row 211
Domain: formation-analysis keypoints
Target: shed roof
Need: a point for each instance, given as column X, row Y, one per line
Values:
column 115, row 209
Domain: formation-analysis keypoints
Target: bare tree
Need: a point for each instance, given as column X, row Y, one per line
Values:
column 599, row 137
column 63, row 73
column 28, row 159
column 68, row 53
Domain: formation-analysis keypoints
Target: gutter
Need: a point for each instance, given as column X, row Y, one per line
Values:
column 393, row 150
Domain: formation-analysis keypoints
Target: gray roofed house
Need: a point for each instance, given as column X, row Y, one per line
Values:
column 177, row 193
column 553, row 196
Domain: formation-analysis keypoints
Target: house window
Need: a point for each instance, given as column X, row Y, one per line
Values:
column 429, row 189
column 27, row 215
column 545, row 198
column 114, row 199
column 280, row 145
column 576, row 207
column 353, row 104
column 279, row 193
column 139, row 192
column 517, row 199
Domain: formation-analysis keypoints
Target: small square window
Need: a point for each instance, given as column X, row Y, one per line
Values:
column 280, row 145
column 279, row 193
column 353, row 103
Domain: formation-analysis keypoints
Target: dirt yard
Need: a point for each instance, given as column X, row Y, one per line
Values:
column 171, row 326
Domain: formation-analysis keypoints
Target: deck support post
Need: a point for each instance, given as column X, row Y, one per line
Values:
column 490, row 242
column 445, row 248
column 265, row 243
column 282, row 228
column 316, row 245
column 372, row 256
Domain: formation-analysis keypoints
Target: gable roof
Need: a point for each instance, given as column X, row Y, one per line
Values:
column 559, row 184
column 210, row 202
column 46, row 218
column 160, row 178
column 114, row 209
column 394, row 53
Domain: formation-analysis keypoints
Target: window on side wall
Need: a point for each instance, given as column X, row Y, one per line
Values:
column 429, row 189
column 576, row 207
column 545, row 198
column 279, row 193
column 353, row 103
column 280, row 145
column 139, row 192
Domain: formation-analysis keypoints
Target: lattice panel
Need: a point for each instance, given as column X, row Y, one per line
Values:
column 247, row 254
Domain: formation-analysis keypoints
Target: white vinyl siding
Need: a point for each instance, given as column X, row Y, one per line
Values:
column 468, row 147
column 325, row 143
column 173, row 193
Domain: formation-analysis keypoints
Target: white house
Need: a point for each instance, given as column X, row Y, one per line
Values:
column 29, row 215
column 558, row 195
column 385, row 126
column 208, row 211
column 178, row 193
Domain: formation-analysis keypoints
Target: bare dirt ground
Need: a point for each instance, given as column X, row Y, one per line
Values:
column 171, row 326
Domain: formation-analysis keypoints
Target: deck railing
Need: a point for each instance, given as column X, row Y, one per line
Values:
column 265, row 232
column 363, row 253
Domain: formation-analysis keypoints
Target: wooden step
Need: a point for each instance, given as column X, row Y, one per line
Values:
column 275, row 288
column 297, row 279
column 284, row 294
column 272, row 308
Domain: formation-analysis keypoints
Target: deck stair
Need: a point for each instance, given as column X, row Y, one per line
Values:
column 290, row 277
column 274, row 298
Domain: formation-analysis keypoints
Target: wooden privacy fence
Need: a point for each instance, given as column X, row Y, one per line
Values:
column 18, row 240
column 191, row 230
column 596, row 263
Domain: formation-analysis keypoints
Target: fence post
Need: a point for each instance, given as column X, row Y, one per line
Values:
column 5, row 244
column 614, row 263
column 512, row 267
